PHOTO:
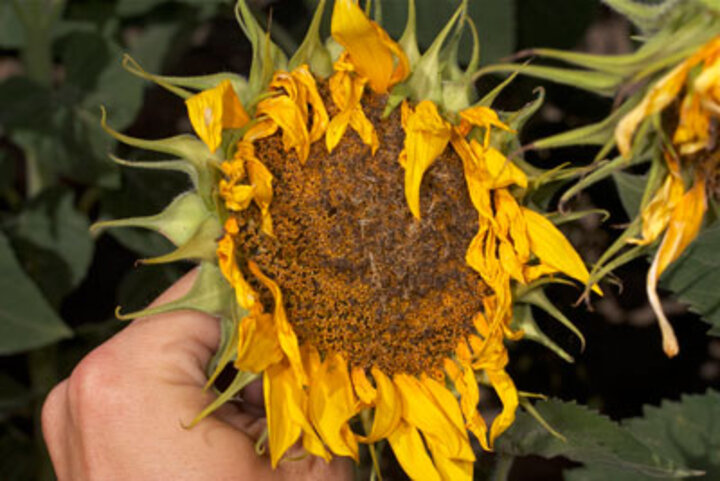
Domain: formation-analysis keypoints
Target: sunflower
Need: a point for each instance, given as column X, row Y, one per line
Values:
column 360, row 232
column 677, row 208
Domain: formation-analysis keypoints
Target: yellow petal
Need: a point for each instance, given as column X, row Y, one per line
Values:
column 370, row 49
column 657, row 98
column 213, row 110
column 451, row 469
column 320, row 116
column 502, row 172
column 365, row 391
column 656, row 215
column 553, row 249
column 693, row 131
column 237, row 197
column 262, row 128
column 421, row 410
column 507, row 393
column 289, row 117
column 258, row 345
column 261, row 179
column 685, row 223
column 388, row 408
column 286, row 403
column 467, row 387
column 244, row 294
column 332, row 404
column 427, row 135
column 286, row 335
column 410, row 452
column 483, row 117
column 476, row 175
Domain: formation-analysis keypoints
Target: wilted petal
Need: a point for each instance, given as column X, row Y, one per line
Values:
column 427, row 135
column 289, row 117
column 213, row 110
column 258, row 345
column 332, row 404
column 506, row 391
column 553, row 249
column 261, row 179
column 388, row 408
column 410, row 452
column 684, row 226
column 369, row 47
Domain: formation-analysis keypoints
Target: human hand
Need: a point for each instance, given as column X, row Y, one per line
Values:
column 120, row 414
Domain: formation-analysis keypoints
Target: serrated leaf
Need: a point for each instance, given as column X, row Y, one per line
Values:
column 684, row 432
column 26, row 319
column 591, row 438
column 695, row 276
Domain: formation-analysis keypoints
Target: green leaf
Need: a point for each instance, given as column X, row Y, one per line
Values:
column 591, row 439
column 11, row 30
column 682, row 432
column 694, row 277
column 25, row 104
column 52, row 224
column 26, row 319
column 18, row 454
column 630, row 189
column 84, row 55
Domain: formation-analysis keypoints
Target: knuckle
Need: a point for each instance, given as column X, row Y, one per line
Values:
column 91, row 385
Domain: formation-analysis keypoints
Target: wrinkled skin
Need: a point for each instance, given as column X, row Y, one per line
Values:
column 120, row 414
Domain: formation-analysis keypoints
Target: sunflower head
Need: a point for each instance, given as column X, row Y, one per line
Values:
column 363, row 235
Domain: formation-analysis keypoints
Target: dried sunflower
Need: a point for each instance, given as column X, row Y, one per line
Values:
column 667, row 101
column 361, row 234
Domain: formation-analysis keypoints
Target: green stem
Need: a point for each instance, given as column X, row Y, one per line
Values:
column 502, row 467
column 42, row 366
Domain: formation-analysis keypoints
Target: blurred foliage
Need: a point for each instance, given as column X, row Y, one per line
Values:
column 60, row 60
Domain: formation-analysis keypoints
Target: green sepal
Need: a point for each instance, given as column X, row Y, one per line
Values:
column 537, row 297
column 201, row 82
column 408, row 40
column 312, row 51
column 201, row 246
column 598, row 133
column 186, row 146
column 425, row 82
column 267, row 57
column 489, row 98
column 178, row 221
column 459, row 92
column 226, row 351
column 241, row 380
column 398, row 93
column 646, row 16
column 711, row 4
column 210, row 293
column 560, row 218
column 601, row 83
column 176, row 165
column 523, row 319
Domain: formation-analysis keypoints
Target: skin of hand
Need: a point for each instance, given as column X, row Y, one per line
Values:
column 120, row 414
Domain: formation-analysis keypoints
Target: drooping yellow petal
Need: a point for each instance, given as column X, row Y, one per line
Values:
column 467, row 387
column 261, row 179
column 213, row 110
column 476, row 175
column 656, row 215
column 421, row 410
column 693, row 131
column 553, row 249
column 446, row 401
column 684, row 226
column 451, row 469
column 262, row 128
column 483, row 117
column 410, row 452
column 244, row 294
column 332, row 404
column 426, row 136
column 657, row 98
column 289, row 117
column 258, row 345
column 388, row 408
column 320, row 116
column 502, row 172
column 286, row 334
column 365, row 391
column 286, row 403
column 370, row 49
column 506, row 391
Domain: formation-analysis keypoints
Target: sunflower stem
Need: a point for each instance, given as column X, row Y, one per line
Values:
column 503, row 466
